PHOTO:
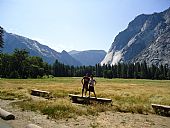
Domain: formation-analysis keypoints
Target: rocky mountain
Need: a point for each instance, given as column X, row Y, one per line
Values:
column 147, row 38
column 88, row 57
column 13, row 41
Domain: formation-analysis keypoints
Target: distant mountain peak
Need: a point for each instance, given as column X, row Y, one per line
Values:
column 88, row 57
column 73, row 52
column 64, row 52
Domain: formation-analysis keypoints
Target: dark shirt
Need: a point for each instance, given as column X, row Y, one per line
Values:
column 86, row 80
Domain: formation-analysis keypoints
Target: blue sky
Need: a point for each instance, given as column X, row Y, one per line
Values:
column 74, row 24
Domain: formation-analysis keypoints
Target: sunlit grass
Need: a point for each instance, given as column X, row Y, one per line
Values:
column 128, row 95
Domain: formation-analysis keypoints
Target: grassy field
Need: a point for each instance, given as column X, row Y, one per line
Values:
column 128, row 95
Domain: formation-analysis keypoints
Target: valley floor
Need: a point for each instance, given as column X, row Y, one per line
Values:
column 103, row 120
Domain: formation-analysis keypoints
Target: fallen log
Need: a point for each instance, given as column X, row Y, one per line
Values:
column 80, row 99
column 6, row 115
column 163, row 110
column 41, row 93
column 32, row 126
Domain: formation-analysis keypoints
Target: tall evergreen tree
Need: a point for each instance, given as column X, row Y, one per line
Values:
column 130, row 71
column 123, row 70
column 168, row 74
column 165, row 71
column 100, row 71
column 161, row 75
column 157, row 74
column 119, row 70
column 153, row 69
column 114, row 71
column 144, row 70
column 1, row 37
column 137, row 70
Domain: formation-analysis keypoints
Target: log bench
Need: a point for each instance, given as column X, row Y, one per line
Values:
column 80, row 99
column 41, row 93
column 163, row 110
column 6, row 115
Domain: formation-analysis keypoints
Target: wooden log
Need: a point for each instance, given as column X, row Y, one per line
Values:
column 80, row 99
column 32, row 126
column 161, row 109
column 41, row 93
column 6, row 115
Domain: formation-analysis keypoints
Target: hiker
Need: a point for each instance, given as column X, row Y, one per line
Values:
column 85, row 82
column 92, row 82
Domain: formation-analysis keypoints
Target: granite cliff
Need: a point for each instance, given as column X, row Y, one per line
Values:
column 147, row 38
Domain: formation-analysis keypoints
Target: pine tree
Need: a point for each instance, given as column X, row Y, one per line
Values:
column 130, row 71
column 119, row 70
column 144, row 70
column 161, row 75
column 168, row 74
column 152, row 71
column 114, row 71
column 123, row 70
column 100, row 71
column 157, row 74
column 165, row 71
column 1, row 37
column 137, row 70
column 56, row 68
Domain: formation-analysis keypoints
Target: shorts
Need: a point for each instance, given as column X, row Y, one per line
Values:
column 85, row 86
column 91, row 88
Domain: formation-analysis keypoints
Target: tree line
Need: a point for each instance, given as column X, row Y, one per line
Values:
column 136, row 70
column 20, row 64
column 120, row 70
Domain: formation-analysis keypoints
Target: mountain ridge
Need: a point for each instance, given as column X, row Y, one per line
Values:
column 13, row 41
column 49, row 55
column 88, row 57
column 133, row 42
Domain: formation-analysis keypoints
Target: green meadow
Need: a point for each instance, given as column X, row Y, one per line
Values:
column 128, row 95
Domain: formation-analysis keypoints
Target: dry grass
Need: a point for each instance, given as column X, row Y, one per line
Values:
column 128, row 95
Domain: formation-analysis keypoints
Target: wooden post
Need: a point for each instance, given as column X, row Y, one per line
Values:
column 6, row 115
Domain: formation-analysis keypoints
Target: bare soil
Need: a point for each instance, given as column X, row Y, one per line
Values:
column 103, row 120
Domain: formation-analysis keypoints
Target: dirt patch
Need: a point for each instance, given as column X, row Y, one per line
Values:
column 104, row 119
